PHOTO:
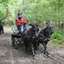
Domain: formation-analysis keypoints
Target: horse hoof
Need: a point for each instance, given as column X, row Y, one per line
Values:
column 13, row 45
column 33, row 56
column 35, row 48
column 26, row 50
column 16, row 48
column 44, row 52
column 48, row 54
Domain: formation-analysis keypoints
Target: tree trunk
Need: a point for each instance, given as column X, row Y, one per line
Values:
column 23, row 2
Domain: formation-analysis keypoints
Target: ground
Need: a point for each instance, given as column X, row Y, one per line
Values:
column 10, row 55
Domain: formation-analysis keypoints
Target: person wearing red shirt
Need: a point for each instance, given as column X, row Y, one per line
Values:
column 20, row 21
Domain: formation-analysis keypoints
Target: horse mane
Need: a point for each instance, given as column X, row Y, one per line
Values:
column 27, row 32
column 48, row 24
column 40, row 31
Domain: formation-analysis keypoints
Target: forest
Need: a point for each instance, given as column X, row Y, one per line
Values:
column 39, row 11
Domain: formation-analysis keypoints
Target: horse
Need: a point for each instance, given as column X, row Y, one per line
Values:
column 29, row 37
column 44, row 36
column 1, row 27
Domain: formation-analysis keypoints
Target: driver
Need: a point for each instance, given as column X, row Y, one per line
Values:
column 20, row 22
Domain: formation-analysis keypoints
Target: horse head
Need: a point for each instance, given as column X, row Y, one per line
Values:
column 49, row 30
column 46, row 32
column 34, row 29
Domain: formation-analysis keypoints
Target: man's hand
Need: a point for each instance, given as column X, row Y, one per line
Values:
column 24, row 22
column 18, row 23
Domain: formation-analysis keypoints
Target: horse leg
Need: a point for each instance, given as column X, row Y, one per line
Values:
column 16, row 44
column 45, row 49
column 32, row 49
column 35, row 46
column 2, row 30
column 26, row 45
column 47, row 52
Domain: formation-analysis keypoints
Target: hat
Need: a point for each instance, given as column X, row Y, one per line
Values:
column 19, row 13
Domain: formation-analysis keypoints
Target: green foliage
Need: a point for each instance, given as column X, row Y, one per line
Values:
column 58, row 37
column 33, row 10
column 8, row 10
column 43, row 10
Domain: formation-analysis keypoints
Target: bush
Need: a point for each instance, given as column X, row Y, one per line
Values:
column 58, row 37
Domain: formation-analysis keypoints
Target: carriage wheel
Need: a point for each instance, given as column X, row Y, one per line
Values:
column 13, row 41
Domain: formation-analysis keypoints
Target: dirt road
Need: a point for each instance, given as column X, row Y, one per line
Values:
column 10, row 55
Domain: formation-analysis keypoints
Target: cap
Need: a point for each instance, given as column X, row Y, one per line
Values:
column 19, row 13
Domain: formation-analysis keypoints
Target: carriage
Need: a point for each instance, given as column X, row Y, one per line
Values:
column 16, row 36
column 32, row 37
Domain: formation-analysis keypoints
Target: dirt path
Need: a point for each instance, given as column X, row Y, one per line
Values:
column 9, row 55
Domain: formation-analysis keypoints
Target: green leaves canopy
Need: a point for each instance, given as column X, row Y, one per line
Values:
column 33, row 10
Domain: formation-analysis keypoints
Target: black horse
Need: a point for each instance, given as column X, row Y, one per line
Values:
column 29, row 37
column 44, row 36
column 1, row 27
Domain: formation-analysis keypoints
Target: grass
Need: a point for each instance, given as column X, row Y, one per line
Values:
column 56, row 44
column 8, row 27
column 57, row 38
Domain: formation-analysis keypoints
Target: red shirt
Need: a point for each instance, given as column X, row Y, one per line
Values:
column 21, row 22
